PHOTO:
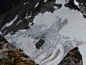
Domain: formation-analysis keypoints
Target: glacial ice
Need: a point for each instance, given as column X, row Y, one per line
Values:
column 62, row 30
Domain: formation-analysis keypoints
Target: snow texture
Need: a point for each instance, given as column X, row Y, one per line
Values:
column 62, row 30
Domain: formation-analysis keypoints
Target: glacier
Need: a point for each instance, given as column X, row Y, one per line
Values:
column 62, row 30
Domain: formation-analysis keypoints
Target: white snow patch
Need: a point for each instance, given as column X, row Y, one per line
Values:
column 18, row 33
column 55, row 7
column 19, row 22
column 26, row 17
column 10, row 23
column 76, row 24
column 25, row 3
column 36, row 5
column 0, row 32
column 76, row 3
column 47, row 18
column 30, row 24
column 22, row 30
column 60, row 2
column 45, row 0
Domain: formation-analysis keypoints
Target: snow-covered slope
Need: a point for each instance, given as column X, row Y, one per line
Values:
column 61, row 30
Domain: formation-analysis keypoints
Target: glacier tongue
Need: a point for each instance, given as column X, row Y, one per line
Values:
column 53, row 49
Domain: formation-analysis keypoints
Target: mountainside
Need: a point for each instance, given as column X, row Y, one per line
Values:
column 46, row 30
column 10, row 55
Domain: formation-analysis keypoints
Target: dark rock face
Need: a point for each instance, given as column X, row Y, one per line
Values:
column 17, row 7
column 7, row 5
column 16, row 58
column 5, row 45
column 29, row 9
column 39, row 43
column 82, row 7
column 10, row 55
column 72, row 58
column 71, row 5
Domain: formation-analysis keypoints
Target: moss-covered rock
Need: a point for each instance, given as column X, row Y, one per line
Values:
column 72, row 58
column 16, row 58
column 10, row 55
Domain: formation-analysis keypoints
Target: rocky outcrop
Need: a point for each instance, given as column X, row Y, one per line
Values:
column 10, row 55
column 82, row 6
column 72, row 5
column 72, row 58
column 25, row 10
column 79, row 5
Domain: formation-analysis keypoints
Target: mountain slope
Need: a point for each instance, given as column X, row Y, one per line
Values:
column 59, row 27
